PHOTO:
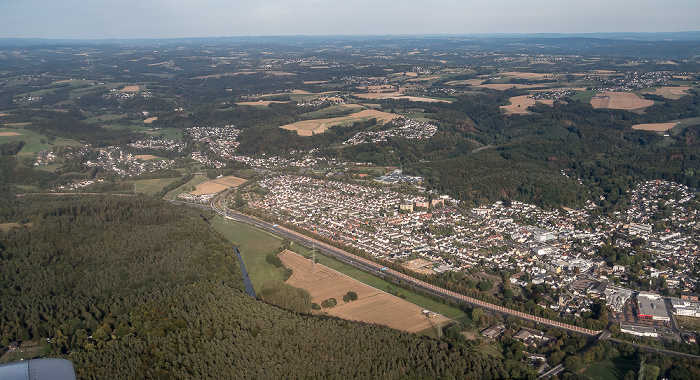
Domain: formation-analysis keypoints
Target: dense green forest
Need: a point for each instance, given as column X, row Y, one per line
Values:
column 132, row 287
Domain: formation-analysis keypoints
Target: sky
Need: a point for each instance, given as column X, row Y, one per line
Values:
column 98, row 19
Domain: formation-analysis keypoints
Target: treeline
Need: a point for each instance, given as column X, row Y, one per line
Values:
column 132, row 287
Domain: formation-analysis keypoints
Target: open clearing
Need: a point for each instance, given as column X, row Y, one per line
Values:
column 620, row 100
column 8, row 226
column 655, row 127
column 152, row 186
column 216, row 185
column 133, row 88
column 151, row 119
column 373, row 305
column 419, row 266
column 146, row 157
column 519, row 104
column 32, row 140
column 670, row 92
column 310, row 127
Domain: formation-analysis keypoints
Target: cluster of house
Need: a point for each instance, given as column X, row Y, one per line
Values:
column 555, row 94
column 397, row 177
column 177, row 145
column 404, row 128
column 630, row 81
column 123, row 95
column 126, row 164
column 331, row 100
column 223, row 141
column 555, row 248
column 204, row 159
column 44, row 157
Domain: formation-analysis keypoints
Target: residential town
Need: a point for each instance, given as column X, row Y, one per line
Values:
column 559, row 249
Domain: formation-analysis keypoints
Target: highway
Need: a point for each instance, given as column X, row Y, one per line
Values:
column 378, row 270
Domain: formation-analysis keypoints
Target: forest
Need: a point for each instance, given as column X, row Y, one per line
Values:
column 132, row 287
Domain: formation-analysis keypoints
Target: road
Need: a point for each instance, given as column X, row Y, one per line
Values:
column 376, row 269
column 380, row 271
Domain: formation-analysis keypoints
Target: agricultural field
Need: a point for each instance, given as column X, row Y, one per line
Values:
column 217, row 185
column 105, row 117
column 372, row 306
column 192, row 184
column 655, row 127
column 366, row 278
column 398, row 95
column 310, row 127
column 675, row 92
column 620, row 100
column 334, row 110
column 519, row 104
column 152, row 186
column 32, row 140
column 259, row 103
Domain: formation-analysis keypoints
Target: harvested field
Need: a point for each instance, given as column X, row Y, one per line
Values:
column 230, row 181
column 421, row 79
column 315, row 81
column 146, row 157
column 670, row 92
column 133, row 88
column 216, row 185
column 493, row 86
column 10, row 134
column 372, row 306
column 655, row 127
column 225, row 75
column 505, row 86
column 309, row 127
column 380, row 88
column 519, row 104
column 279, row 73
column 398, row 95
column 150, row 120
column 522, row 75
column 3, row 114
column 261, row 103
column 620, row 100
column 419, row 266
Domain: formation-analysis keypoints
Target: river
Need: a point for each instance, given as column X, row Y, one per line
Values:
column 246, row 279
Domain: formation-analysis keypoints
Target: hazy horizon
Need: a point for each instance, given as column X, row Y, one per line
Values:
column 156, row 19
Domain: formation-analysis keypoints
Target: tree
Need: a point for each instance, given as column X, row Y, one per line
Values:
column 573, row 363
column 477, row 314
